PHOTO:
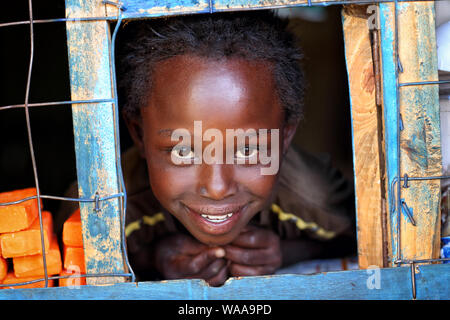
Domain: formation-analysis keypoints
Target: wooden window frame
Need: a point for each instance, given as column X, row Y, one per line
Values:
column 376, row 103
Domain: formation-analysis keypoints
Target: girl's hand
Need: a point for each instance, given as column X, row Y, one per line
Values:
column 256, row 251
column 181, row 256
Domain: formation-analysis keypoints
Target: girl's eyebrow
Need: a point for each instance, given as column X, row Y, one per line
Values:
column 168, row 132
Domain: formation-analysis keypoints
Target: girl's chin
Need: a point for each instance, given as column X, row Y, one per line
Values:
column 214, row 239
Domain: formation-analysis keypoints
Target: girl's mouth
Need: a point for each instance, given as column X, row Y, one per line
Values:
column 215, row 220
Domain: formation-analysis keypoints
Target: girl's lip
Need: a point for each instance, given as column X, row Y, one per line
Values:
column 215, row 228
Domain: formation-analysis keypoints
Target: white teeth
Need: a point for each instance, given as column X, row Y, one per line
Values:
column 217, row 219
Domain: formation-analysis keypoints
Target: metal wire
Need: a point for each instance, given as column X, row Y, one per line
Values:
column 117, row 195
column 406, row 261
column 120, row 178
column 87, row 19
column 30, row 140
column 86, row 275
column 55, row 103
column 406, row 179
column 422, row 83
column 397, row 69
column 413, row 280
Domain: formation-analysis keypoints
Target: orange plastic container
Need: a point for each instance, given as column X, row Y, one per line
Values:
column 12, row 279
column 66, row 282
column 33, row 266
column 74, row 259
column 18, row 216
column 27, row 242
column 72, row 235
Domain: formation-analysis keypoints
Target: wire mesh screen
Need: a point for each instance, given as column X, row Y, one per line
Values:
column 97, row 199
column 398, row 183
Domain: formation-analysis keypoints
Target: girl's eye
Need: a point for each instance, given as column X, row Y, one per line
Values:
column 246, row 152
column 183, row 152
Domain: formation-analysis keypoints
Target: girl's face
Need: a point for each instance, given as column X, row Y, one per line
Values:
column 213, row 201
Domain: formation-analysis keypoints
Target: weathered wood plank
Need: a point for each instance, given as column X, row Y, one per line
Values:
column 157, row 8
column 365, row 135
column 224, row 5
column 420, row 138
column 420, row 142
column 90, row 78
column 147, row 9
column 389, row 283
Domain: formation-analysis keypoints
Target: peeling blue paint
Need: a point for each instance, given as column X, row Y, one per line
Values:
column 395, row 284
column 390, row 110
column 94, row 137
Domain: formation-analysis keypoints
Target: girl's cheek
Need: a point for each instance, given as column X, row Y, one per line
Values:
column 170, row 182
column 253, row 181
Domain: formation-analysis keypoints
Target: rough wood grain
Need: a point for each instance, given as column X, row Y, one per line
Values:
column 90, row 78
column 420, row 139
column 366, row 147
column 137, row 9
column 157, row 8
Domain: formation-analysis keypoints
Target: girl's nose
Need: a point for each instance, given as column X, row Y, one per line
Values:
column 216, row 181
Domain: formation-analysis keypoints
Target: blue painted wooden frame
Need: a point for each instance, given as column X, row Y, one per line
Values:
column 431, row 281
column 138, row 9
column 96, row 135
column 390, row 105
column 408, row 133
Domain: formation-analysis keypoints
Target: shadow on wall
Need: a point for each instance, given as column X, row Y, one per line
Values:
column 327, row 124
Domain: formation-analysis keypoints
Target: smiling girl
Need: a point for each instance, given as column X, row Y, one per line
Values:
column 213, row 220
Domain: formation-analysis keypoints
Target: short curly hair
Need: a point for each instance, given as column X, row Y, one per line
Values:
column 253, row 35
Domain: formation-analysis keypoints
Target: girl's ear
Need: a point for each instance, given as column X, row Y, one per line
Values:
column 136, row 131
column 289, row 130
